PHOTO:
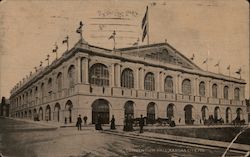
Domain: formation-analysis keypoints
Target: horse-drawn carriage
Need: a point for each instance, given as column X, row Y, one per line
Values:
column 238, row 121
column 159, row 121
column 213, row 121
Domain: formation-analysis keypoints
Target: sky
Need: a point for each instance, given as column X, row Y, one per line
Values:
column 213, row 29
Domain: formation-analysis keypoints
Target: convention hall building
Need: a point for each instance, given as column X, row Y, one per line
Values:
column 154, row 80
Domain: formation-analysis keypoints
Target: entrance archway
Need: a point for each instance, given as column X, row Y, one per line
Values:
column 25, row 114
column 68, row 108
column 48, row 113
column 170, row 111
column 57, row 112
column 30, row 114
column 40, row 113
column 239, row 114
column 189, row 114
column 100, row 107
column 151, row 113
column 217, row 114
column 35, row 116
column 129, row 109
column 204, row 113
column 228, row 115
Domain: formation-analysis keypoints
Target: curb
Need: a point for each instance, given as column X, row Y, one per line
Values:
column 185, row 141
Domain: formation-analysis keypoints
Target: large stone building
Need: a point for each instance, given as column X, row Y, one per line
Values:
column 153, row 80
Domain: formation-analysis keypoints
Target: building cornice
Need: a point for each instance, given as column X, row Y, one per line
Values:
column 119, row 54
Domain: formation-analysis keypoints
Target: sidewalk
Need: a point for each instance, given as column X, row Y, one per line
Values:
column 178, row 139
column 52, row 124
column 151, row 135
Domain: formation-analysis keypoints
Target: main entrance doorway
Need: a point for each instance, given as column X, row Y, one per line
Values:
column 129, row 109
column 100, row 107
column 188, row 114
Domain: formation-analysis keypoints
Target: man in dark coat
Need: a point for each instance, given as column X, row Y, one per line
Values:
column 141, row 124
column 125, row 127
column 79, row 123
column 112, row 126
column 98, row 124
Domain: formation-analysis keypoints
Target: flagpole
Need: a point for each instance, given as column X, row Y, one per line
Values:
column 148, row 26
column 68, row 45
column 138, row 47
column 67, row 38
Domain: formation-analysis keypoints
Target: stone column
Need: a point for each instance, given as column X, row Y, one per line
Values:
column 194, row 92
column 162, row 83
column 179, row 84
column 79, row 73
column 208, row 91
column 118, row 75
column 141, row 78
column 137, row 80
column 85, row 70
column 157, row 82
column 113, row 77
column 64, row 77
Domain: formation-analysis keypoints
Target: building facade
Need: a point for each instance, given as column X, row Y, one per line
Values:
column 154, row 81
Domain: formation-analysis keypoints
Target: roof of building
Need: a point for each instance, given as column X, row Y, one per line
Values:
column 161, row 55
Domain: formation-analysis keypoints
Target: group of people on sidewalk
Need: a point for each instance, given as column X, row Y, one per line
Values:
column 98, row 123
column 79, row 122
column 128, row 123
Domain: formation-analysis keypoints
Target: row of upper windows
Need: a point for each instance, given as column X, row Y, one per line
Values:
column 99, row 75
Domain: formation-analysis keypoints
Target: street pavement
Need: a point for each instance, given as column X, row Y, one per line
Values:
column 24, row 139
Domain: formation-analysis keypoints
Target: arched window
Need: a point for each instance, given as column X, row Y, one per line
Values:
column 36, row 88
column 214, row 91
column 129, row 109
column 149, row 82
column 168, row 86
column 59, row 81
column 50, row 85
column 226, row 92
column 170, row 111
column 202, row 89
column 127, row 79
column 217, row 114
column 237, row 94
column 239, row 114
column 186, row 87
column 71, row 76
column 99, row 75
column 42, row 90
column 31, row 93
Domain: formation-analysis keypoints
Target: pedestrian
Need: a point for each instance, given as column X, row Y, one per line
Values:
column 130, row 124
column 125, row 127
column 79, row 123
column 85, row 120
column 141, row 124
column 112, row 126
column 98, row 124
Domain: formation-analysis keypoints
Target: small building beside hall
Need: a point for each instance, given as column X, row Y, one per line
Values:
column 4, row 107
column 155, row 81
